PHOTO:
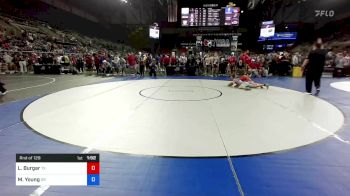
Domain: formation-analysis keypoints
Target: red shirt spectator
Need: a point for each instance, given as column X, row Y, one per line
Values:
column 166, row 60
column 132, row 60
column 232, row 60
column 252, row 65
column 97, row 60
column 258, row 65
column 88, row 60
column 173, row 60
column 246, row 59
column 6, row 46
column 73, row 60
column 34, row 58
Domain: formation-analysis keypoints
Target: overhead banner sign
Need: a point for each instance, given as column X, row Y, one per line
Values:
column 285, row 35
column 219, row 43
column 234, row 46
column 222, row 43
column 267, row 29
column 280, row 36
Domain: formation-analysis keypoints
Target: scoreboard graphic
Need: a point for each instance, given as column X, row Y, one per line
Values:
column 57, row 169
column 210, row 15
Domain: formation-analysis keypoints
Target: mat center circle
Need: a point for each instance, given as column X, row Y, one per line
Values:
column 114, row 117
column 180, row 93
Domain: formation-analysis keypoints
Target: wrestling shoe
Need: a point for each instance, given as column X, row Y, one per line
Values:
column 317, row 92
column 247, row 88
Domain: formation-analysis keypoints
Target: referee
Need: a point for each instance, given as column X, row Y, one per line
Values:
column 313, row 67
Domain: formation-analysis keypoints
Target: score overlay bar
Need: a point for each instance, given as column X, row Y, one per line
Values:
column 57, row 169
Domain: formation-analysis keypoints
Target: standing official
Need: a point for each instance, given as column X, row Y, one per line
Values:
column 313, row 67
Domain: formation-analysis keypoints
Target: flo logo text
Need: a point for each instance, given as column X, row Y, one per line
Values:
column 324, row 13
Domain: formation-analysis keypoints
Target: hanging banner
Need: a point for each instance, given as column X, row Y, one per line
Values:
column 222, row 43
column 234, row 45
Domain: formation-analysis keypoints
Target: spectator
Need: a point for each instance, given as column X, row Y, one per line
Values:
column 23, row 64
column 173, row 60
column 115, row 63
column 295, row 60
column 346, row 59
column 246, row 58
column 107, row 67
column 3, row 90
column 182, row 62
column 216, row 62
column 66, row 60
column 132, row 62
column 122, row 66
column 80, row 64
column 241, row 69
column 153, row 69
column 97, row 63
column 231, row 64
column 340, row 61
column 166, row 61
column 8, row 61
column 207, row 64
column 142, row 64
column 89, row 62
column 284, row 66
column 253, row 68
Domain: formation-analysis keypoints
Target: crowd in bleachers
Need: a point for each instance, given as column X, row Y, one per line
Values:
column 26, row 43
column 219, row 63
column 254, row 64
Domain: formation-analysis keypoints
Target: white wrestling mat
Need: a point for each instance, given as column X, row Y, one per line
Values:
column 183, row 118
column 344, row 86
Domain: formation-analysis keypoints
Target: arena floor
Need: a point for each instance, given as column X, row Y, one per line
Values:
column 180, row 135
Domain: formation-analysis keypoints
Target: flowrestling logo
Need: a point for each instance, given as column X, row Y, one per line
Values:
column 219, row 43
column 324, row 13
